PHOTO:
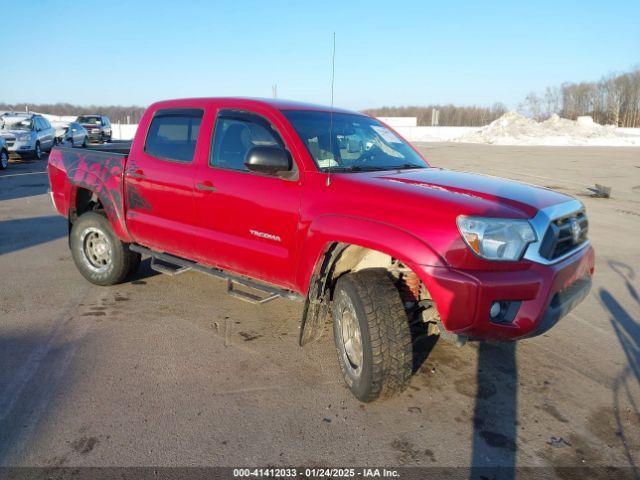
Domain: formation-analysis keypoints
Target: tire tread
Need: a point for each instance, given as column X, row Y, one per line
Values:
column 389, row 332
column 125, row 261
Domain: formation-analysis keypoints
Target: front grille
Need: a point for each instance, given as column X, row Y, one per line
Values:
column 564, row 235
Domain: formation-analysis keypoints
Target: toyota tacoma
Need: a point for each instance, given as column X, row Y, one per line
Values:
column 334, row 209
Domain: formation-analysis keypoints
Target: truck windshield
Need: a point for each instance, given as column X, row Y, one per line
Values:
column 89, row 120
column 352, row 143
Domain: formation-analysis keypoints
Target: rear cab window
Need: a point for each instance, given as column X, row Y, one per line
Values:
column 173, row 134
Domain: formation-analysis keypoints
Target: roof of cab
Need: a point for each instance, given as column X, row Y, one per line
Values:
column 277, row 103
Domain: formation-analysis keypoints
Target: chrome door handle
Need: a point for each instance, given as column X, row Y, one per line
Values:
column 205, row 186
column 136, row 175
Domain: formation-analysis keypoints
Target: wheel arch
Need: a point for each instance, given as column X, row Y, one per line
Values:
column 331, row 230
column 344, row 248
column 89, row 195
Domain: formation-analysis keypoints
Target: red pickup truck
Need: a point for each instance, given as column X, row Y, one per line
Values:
column 332, row 208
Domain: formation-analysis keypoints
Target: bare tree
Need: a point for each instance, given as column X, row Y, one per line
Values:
column 552, row 103
column 114, row 112
column 533, row 104
column 615, row 99
column 450, row 115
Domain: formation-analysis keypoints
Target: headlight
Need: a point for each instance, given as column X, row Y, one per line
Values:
column 496, row 238
column 23, row 138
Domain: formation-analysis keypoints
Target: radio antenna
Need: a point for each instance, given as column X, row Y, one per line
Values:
column 333, row 73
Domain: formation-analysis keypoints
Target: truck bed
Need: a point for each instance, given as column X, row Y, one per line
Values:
column 113, row 147
column 99, row 170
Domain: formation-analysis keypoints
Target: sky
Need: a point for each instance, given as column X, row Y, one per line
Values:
column 414, row 52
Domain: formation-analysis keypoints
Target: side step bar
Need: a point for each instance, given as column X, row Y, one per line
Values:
column 172, row 265
column 167, row 268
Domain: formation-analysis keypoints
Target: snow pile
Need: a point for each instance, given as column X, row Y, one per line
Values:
column 515, row 129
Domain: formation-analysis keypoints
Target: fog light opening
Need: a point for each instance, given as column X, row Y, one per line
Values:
column 504, row 311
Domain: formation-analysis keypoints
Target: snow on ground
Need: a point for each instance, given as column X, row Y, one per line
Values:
column 515, row 129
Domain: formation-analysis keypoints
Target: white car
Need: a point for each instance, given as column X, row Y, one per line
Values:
column 27, row 135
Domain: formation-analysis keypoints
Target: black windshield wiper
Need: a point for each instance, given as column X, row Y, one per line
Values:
column 356, row 168
column 373, row 168
column 406, row 166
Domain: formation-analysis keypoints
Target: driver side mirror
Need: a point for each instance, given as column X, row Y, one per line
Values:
column 269, row 160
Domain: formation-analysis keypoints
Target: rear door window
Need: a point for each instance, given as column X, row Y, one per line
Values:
column 173, row 134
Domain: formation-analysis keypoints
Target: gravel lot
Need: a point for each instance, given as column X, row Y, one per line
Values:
column 171, row 371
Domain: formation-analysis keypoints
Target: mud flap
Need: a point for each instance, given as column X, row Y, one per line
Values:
column 316, row 305
column 314, row 317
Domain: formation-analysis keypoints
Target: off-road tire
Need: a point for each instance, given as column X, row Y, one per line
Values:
column 385, row 334
column 123, row 262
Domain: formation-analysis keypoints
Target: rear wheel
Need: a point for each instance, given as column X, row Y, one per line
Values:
column 372, row 335
column 98, row 253
column 4, row 159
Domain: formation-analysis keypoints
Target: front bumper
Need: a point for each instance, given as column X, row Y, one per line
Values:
column 21, row 148
column 95, row 136
column 546, row 292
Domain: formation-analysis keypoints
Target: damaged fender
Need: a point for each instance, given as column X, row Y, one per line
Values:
column 327, row 237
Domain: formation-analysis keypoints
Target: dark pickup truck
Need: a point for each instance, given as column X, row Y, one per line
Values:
column 98, row 127
column 334, row 209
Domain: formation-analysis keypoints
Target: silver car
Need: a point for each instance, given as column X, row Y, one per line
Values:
column 28, row 135
column 71, row 133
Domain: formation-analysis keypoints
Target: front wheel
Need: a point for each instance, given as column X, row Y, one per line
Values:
column 372, row 335
column 98, row 253
column 4, row 159
column 37, row 153
column 84, row 142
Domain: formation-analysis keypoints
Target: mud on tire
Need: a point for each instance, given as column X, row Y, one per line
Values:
column 386, row 350
column 98, row 253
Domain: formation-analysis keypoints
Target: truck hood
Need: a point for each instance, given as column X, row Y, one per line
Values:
column 521, row 198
